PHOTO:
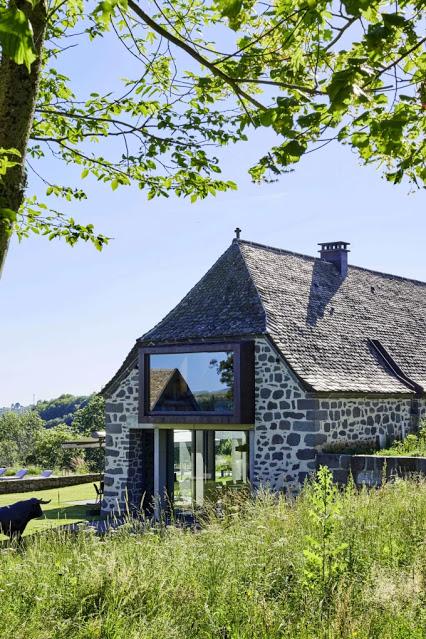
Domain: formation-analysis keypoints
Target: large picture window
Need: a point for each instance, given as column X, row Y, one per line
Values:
column 206, row 383
column 192, row 382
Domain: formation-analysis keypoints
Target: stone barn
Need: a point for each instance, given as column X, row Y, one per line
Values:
column 275, row 356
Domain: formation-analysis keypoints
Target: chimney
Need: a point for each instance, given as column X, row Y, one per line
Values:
column 337, row 254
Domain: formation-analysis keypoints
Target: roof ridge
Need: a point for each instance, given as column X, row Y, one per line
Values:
column 313, row 258
column 276, row 249
column 259, row 297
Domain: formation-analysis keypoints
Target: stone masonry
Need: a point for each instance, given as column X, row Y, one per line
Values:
column 293, row 425
column 281, row 425
column 121, row 413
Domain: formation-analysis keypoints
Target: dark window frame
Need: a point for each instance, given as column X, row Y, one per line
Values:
column 243, row 412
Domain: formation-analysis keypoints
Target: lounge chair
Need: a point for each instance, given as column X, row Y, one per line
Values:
column 20, row 474
column 46, row 473
column 2, row 471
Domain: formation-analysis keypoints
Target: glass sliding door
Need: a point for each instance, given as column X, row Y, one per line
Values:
column 183, row 471
column 207, row 463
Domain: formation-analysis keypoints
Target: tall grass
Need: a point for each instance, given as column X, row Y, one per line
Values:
column 328, row 564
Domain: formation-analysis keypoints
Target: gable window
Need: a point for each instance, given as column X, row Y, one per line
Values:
column 192, row 382
column 197, row 383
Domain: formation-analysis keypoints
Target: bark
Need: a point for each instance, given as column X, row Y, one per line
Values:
column 18, row 95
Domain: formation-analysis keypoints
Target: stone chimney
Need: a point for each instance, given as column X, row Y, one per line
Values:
column 337, row 254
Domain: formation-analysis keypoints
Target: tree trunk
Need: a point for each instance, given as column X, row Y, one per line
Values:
column 18, row 94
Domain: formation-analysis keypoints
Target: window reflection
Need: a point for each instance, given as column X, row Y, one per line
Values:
column 208, row 462
column 192, row 382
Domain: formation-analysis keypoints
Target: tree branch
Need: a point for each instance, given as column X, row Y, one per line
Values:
column 158, row 28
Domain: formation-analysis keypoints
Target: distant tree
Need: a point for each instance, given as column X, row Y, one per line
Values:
column 48, row 452
column 225, row 370
column 88, row 419
column 91, row 416
column 18, row 434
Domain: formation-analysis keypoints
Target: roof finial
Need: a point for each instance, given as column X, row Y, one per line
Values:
column 237, row 233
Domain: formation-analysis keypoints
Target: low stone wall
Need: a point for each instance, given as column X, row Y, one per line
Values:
column 370, row 470
column 35, row 484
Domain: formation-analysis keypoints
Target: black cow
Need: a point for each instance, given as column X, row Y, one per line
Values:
column 14, row 518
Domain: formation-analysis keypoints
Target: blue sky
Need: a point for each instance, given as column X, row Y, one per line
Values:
column 70, row 315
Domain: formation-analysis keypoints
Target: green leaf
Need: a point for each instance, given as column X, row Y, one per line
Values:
column 393, row 19
column 230, row 9
column 16, row 37
column 8, row 214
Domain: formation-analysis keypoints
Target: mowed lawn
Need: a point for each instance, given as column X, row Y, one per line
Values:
column 66, row 506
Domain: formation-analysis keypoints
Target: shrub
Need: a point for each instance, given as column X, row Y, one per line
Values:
column 413, row 445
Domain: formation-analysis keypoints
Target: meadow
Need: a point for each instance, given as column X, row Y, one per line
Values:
column 328, row 564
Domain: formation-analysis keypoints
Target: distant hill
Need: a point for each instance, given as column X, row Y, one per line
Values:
column 61, row 409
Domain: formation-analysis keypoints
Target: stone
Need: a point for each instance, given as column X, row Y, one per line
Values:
column 115, row 429
column 285, row 405
column 284, row 425
column 306, row 453
column 112, row 452
column 315, row 440
column 114, row 407
column 302, row 476
column 293, row 439
column 277, row 439
column 309, row 427
column 307, row 404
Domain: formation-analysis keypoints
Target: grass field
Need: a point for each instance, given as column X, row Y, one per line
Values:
column 327, row 565
column 63, row 508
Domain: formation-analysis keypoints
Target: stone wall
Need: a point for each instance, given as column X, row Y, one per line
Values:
column 121, row 413
column 375, row 421
column 292, row 426
column 370, row 470
column 285, row 435
column 35, row 484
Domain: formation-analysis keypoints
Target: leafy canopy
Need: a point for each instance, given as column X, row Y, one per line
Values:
column 312, row 71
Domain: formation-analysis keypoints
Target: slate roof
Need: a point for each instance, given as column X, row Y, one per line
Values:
column 320, row 323
column 158, row 380
column 224, row 302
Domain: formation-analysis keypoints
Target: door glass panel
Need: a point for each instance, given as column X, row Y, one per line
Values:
column 207, row 463
column 183, row 475
column 231, row 448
